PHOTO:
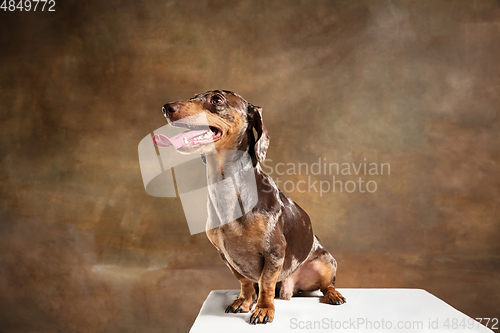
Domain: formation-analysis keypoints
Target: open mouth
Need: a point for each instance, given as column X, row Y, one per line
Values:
column 195, row 136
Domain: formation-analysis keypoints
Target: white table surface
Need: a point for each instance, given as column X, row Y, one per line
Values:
column 366, row 310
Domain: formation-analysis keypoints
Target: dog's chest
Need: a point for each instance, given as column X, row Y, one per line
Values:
column 242, row 246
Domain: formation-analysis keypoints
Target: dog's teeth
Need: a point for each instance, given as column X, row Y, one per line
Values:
column 207, row 134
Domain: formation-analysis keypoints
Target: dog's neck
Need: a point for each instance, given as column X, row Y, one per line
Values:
column 223, row 164
column 232, row 188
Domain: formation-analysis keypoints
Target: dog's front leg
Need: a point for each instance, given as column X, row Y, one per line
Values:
column 245, row 300
column 264, row 310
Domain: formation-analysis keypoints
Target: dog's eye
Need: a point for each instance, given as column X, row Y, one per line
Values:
column 216, row 100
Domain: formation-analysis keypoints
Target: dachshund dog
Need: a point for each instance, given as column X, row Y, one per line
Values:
column 271, row 249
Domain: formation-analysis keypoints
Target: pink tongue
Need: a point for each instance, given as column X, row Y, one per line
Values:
column 176, row 141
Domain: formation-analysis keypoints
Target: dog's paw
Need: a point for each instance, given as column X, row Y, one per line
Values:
column 334, row 297
column 240, row 305
column 262, row 314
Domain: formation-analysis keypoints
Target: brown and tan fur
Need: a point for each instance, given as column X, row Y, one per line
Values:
column 270, row 249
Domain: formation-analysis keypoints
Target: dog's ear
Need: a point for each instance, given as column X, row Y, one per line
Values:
column 259, row 145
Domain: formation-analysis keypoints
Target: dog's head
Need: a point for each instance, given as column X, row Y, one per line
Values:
column 217, row 119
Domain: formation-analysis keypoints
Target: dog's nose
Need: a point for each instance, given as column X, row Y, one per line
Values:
column 170, row 108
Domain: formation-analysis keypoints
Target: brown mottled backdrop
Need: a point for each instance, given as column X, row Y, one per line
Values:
column 415, row 84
